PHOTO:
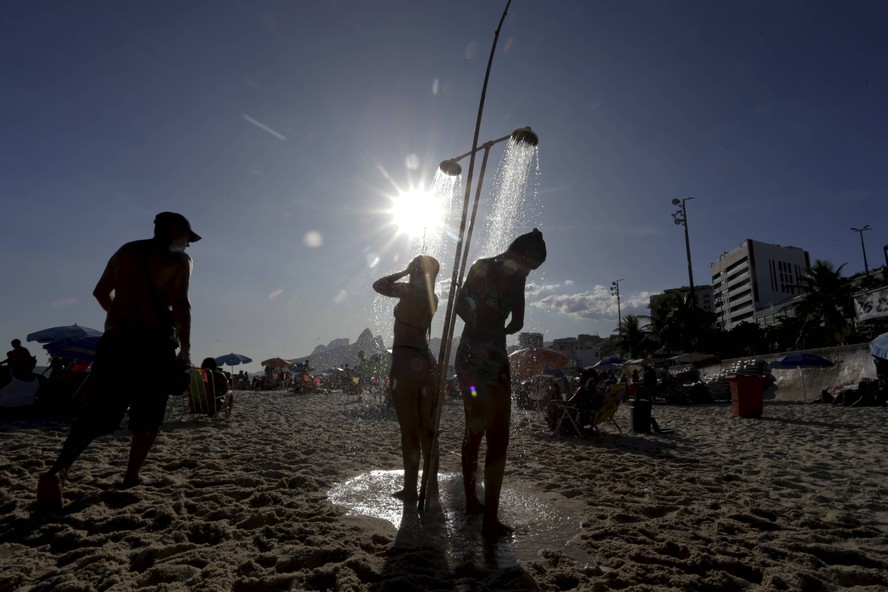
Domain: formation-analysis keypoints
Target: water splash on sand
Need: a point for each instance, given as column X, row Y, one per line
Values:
column 538, row 523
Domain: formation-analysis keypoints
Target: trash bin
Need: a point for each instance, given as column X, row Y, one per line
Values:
column 641, row 416
column 747, row 394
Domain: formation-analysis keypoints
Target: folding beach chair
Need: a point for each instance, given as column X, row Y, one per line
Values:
column 201, row 397
column 570, row 417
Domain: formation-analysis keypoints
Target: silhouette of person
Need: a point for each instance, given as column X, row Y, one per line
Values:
column 144, row 292
column 220, row 384
column 19, row 359
column 412, row 373
column 492, row 293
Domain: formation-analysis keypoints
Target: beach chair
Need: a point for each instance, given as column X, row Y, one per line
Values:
column 570, row 417
column 201, row 397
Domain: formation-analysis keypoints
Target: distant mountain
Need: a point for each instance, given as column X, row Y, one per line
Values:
column 340, row 352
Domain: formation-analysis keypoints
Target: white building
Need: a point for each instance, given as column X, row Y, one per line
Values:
column 583, row 350
column 755, row 277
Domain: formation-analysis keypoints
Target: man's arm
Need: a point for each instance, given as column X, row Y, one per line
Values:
column 105, row 286
column 182, row 308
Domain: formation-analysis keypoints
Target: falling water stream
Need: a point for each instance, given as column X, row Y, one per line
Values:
column 514, row 207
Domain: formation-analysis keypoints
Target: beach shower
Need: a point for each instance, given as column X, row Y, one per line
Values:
column 522, row 137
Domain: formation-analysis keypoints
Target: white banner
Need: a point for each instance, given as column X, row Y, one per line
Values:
column 871, row 305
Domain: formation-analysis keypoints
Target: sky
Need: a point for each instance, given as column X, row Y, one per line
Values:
column 287, row 131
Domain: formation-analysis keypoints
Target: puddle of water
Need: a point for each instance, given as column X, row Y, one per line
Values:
column 538, row 523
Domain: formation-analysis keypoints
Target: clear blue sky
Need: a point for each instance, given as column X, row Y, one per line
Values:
column 273, row 124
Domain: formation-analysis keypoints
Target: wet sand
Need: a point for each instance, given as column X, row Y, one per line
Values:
column 794, row 500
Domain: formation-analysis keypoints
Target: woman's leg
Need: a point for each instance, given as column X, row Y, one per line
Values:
column 405, row 397
column 495, row 463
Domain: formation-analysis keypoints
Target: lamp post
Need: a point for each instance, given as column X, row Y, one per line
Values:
column 681, row 217
column 615, row 290
column 860, row 231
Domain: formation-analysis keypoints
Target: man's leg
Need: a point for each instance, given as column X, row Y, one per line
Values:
column 141, row 445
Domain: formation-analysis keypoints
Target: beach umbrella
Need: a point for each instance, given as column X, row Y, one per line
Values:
column 74, row 331
column 879, row 346
column 276, row 363
column 82, row 349
column 800, row 360
column 608, row 363
column 531, row 361
column 233, row 359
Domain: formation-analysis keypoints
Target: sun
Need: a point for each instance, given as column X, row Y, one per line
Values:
column 415, row 212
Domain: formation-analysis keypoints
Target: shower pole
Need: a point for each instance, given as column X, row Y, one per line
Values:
column 441, row 369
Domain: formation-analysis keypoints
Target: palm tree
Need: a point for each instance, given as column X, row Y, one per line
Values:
column 631, row 337
column 679, row 325
column 826, row 300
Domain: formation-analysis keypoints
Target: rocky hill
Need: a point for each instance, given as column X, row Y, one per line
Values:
column 341, row 352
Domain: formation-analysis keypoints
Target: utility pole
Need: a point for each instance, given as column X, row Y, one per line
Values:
column 860, row 231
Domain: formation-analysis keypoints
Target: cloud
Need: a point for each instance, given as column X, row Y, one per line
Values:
column 595, row 304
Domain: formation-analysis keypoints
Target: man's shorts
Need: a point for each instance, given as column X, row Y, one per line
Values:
column 133, row 370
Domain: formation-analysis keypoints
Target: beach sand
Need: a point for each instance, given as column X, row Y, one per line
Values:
column 794, row 500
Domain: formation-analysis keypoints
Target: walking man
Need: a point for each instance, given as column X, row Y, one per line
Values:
column 144, row 292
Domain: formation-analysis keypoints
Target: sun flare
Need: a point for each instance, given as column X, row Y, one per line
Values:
column 415, row 211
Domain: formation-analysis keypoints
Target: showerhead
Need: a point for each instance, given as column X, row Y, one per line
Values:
column 450, row 168
column 525, row 135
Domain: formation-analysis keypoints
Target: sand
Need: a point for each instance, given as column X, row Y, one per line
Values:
column 794, row 500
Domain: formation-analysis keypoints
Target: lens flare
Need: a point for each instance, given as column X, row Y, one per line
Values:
column 415, row 212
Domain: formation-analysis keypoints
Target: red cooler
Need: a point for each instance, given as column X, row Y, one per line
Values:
column 747, row 395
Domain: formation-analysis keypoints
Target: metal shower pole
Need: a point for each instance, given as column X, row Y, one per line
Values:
column 441, row 374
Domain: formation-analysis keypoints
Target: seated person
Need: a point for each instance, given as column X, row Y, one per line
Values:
column 19, row 360
column 589, row 396
column 220, row 382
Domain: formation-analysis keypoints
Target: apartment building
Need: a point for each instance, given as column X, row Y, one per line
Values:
column 755, row 277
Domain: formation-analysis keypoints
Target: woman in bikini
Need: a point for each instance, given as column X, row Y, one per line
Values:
column 412, row 372
column 491, row 302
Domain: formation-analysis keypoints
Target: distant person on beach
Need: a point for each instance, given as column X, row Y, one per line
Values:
column 221, row 385
column 492, row 294
column 144, row 292
column 19, row 359
column 413, row 366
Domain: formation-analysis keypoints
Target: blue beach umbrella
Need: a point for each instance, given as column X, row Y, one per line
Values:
column 800, row 360
column 233, row 359
column 74, row 331
column 879, row 346
column 83, row 348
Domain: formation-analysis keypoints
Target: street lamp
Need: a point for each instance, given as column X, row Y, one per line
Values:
column 615, row 290
column 860, row 231
column 681, row 217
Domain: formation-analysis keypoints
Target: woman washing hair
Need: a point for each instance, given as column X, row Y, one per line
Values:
column 412, row 372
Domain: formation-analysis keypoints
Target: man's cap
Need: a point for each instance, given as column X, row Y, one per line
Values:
column 169, row 219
